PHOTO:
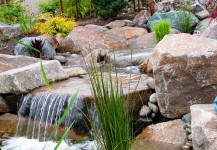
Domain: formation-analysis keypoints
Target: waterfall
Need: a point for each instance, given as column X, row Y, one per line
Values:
column 39, row 114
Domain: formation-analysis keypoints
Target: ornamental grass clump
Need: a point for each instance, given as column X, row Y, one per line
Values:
column 115, row 128
column 161, row 29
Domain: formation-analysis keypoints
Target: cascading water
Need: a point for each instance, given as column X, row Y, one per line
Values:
column 40, row 113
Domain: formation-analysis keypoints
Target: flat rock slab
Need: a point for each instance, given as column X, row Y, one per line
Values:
column 162, row 136
column 185, row 73
column 82, row 86
column 25, row 79
column 204, row 127
column 8, row 62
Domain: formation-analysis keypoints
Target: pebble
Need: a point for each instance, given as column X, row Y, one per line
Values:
column 190, row 137
column 153, row 115
column 189, row 144
column 153, row 107
column 188, row 130
column 61, row 59
column 151, row 82
column 144, row 111
column 185, row 147
column 153, row 98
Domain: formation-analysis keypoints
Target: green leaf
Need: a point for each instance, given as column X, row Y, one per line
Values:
column 44, row 76
column 64, row 135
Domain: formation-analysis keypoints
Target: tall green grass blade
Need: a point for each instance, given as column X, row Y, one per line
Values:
column 63, row 117
column 63, row 136
column 44, row 76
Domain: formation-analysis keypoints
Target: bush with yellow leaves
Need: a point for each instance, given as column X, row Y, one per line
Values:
column 56, row 25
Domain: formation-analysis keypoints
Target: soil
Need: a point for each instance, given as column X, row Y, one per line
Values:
column 7, row 46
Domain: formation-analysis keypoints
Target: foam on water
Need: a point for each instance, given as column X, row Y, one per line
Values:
column 23, row 143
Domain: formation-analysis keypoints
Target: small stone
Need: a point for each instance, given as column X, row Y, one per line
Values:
column 187, row 118
column 151, row 82
column 3, row 105
column 61, row 59
column 185, row 126
column 75, row 72
column 188, row 130
column 153, row 98
column 74, row 55
column 190, row 137
column 153, row 115
column 185, row 147
column 153, row 107
column 144, row 111
column 189, row 144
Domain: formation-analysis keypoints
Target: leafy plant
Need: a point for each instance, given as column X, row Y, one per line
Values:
column 51, row 6
column 27, row 24
column 112, row 109
column 186, row 6
column 74, row 8
column 211, row 5
column 38, row 44
column 213, row 14
column 161, row 29
column 56, row 25
column 10, row 13
column 184, row 21
column 109, row 8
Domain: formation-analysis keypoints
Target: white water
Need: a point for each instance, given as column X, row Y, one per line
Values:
column 23, row 143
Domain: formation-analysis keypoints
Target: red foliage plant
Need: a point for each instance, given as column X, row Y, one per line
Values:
column 212, row 6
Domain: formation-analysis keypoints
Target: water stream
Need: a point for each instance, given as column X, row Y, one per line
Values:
column 39, row 114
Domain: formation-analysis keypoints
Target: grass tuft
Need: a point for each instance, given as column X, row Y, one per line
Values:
column 161, row 29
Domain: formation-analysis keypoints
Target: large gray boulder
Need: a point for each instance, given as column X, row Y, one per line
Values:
column 184, row 68
column 10, row 30
column 25, row 79
column 48, row 52
column 174, row 18
column 203, row 125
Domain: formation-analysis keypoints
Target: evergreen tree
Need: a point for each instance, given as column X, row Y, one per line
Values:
column 109, row 8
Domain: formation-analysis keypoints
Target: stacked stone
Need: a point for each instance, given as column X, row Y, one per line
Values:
column 151, row 110
column 186, row 119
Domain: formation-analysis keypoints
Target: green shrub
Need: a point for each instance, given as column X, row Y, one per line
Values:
column 52, row 6
column 184, row 21
column 27, row 24
column 109, row 8
column 10, row 13
column 70, row 8
column 56, row 25
column 161, row 29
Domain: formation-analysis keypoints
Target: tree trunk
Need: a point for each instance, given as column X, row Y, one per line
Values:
column 61, row 7
column 76, row 7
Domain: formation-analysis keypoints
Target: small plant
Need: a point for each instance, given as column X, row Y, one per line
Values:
column 10, row 13
column 27, row 24
column 56, row 25
column 115, row 130
column 186, row 6
column 184, row 21
column 109, row 8
column 38, row 44
column 52, row 6
column 161, row 29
